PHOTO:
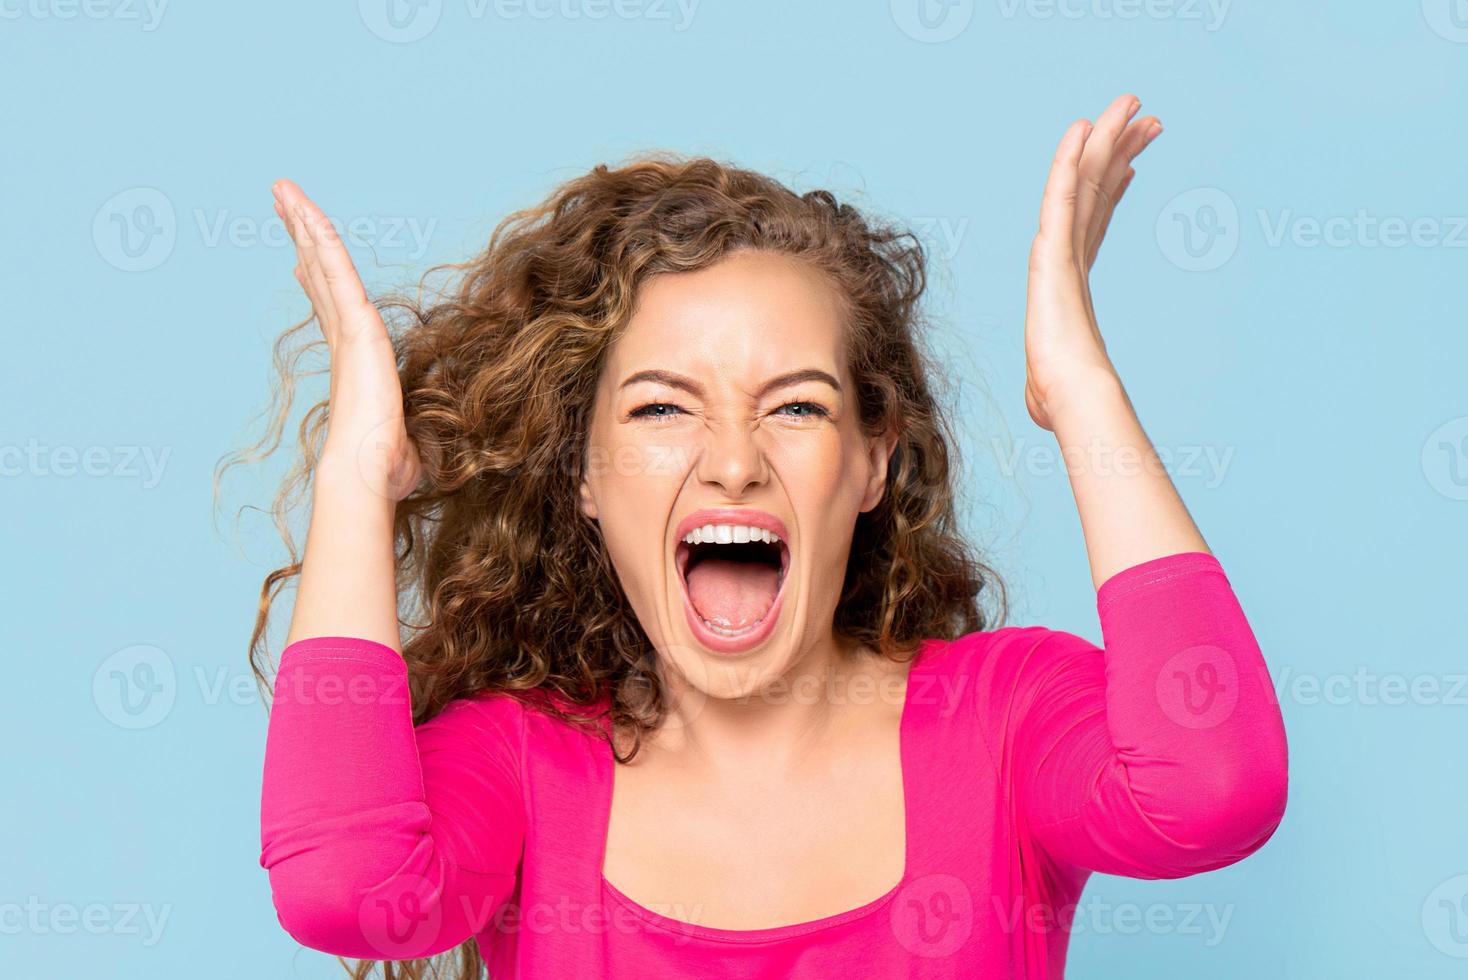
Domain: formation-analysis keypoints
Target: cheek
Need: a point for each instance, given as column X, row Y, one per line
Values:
column 825, row 473
column 621, row 456
column 635, row 478
column 633, row 538
column 642, row 467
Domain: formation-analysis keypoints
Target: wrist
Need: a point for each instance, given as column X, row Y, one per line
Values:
column 1085, row 394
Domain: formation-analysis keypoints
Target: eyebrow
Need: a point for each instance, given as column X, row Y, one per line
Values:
column 675, row 380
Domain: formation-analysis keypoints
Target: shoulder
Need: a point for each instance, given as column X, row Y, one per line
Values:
column 490, row 707
column 503, row 709
column 1004, row 651
column 991, row 674
column 523, row 725
column 492, row 721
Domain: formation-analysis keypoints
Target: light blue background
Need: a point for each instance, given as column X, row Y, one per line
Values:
column 1319, row 376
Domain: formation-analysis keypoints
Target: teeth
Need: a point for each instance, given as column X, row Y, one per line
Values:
column 729, row 534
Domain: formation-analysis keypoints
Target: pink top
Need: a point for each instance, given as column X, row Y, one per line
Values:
column 1030, row 758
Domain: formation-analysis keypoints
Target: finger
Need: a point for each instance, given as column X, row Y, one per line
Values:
column 306, row 248
column 297, row 271
column 1094, row 246
column 297, row 208
column 1057, row 207
column 1137, row 138
column 335, row 270
column 347, row 295
column 1095, row 161
column 299, row 240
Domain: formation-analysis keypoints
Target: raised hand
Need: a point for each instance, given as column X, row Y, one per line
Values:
column 1091, row 171
column 365, row 431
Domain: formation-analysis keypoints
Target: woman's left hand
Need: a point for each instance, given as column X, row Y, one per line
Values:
column 1092, row 167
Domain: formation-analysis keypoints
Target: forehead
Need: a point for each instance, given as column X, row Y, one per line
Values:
column 752, row 315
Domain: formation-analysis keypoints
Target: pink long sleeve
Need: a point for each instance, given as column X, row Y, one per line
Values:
column 1160, row 756
column 383, row 841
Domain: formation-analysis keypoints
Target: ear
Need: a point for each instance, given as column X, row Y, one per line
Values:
column 880, row 449
column 588, row 502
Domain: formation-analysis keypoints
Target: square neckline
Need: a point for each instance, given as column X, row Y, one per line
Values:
column 772, row 933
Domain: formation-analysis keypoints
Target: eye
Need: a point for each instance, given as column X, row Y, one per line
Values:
column 654, row 410
column 663, row 410
column 804, row 410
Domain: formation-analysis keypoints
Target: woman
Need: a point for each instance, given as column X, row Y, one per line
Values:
column 701, row 685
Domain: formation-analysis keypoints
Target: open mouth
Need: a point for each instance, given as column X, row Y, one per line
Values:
column 733, row 575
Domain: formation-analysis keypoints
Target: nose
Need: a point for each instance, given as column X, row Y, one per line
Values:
column 732, row 459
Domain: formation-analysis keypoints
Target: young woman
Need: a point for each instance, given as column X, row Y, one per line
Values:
column 698, row 683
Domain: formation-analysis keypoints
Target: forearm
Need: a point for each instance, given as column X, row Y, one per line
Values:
column 1129, row 509
column 348, row 583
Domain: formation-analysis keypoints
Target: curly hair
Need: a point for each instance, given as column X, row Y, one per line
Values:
column 498, row 376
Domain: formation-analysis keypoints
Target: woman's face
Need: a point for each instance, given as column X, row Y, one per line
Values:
column 727, row 405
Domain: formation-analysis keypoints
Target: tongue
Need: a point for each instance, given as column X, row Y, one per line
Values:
column 732, row 594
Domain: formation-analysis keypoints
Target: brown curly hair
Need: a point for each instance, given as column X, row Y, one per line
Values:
column 498, row 376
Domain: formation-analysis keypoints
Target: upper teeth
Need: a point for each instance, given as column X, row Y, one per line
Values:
column 729, row 534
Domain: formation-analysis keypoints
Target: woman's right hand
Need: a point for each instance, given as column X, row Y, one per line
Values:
column 365, row 432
